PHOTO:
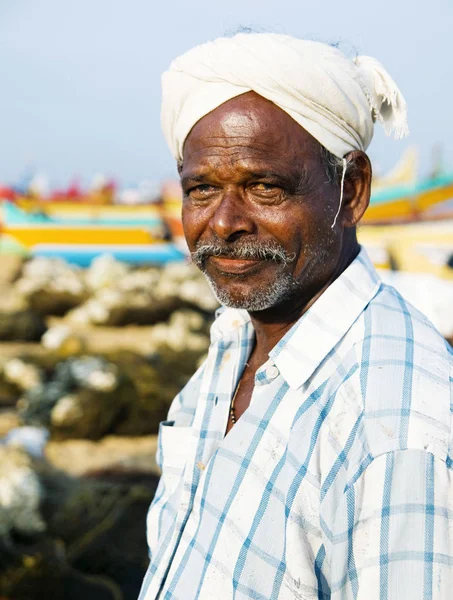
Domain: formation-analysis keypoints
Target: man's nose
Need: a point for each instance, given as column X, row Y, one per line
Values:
column 232, row 217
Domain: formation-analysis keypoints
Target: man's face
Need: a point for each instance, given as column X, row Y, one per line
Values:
column 257, row 208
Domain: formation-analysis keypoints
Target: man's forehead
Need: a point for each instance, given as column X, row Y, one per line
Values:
column 249, row 111
column 233, row 122
column 251, row 124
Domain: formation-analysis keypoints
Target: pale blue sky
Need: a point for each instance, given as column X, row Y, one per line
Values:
column 80, row 79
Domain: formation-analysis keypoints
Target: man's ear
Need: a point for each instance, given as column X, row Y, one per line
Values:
column 180, row 165
column 357, row 188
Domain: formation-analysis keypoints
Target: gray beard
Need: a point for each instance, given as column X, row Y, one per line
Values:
column 284, row 286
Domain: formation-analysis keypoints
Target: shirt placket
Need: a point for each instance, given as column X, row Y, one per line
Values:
column 210, row 418
column 230, row 362
column 210, row 422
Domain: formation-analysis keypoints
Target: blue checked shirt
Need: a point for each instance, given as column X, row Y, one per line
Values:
column 337, row 481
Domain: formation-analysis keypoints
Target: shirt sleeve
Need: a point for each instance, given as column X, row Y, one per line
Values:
column 393, row 531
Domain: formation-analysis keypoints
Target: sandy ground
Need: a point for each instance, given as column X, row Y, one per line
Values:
column 95, row 340
column 134, row 338
column 10, row 266
column 79, row 457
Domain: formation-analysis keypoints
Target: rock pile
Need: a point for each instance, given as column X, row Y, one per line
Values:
column 110, row 292
column 51, row 286
column 103, row 352
column 80, row 392
column 143, row 296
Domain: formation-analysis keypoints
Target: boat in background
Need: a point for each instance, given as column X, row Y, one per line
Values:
column 419, row 247
column 408, row 225
column 171, row 213
column 32, row 229
column 128, row 236
column 137, row 254
column 83, row 215
column 427, row 200
column 399, row 196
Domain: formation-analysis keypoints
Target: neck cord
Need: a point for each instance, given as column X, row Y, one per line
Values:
column 232, row 411
column 345, row 166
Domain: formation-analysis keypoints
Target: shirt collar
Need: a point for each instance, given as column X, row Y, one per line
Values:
column 228, row 321
column 326, row 322
column 319, row 330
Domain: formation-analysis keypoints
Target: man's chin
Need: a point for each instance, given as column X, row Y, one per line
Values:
column 235, row 293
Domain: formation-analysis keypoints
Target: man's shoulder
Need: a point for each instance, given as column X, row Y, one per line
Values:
column 405, row 377
column 392, row 323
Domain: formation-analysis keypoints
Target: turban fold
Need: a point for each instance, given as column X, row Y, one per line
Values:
column 335, row 99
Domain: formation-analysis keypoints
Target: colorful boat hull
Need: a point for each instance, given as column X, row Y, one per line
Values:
column 409, row 203
column 92, row 212
column 30, row 229
column 155, row 254
column 32, row 235
column 413, row 247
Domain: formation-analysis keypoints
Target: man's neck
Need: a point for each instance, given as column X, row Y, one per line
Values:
column 272, row 325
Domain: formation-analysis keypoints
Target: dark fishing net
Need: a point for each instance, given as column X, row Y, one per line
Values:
column 94, row 547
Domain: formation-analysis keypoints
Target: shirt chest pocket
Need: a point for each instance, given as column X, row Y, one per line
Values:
column 171, row 457
column 172, row 453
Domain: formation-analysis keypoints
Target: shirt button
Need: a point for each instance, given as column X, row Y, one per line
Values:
column 272, row 372
column 201, row 466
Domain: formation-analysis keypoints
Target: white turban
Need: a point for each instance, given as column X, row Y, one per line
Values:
column 335, row 99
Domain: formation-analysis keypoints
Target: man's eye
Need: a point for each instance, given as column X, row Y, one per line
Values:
column 202, row 191
column 266, row 189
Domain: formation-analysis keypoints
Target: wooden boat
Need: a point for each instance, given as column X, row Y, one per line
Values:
column 171, row 213
column 30, row 229
column 94, row 213
column 410, row 227
column 31, row 235
column 78, row 240
column 83, row 255
column 420, row 247
column 409, row 202
column 82, row 214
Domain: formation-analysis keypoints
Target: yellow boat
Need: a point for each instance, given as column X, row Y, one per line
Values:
column 413, row 247
column 410, row 202
column 32, row 228
column 91, row 212
column 31, row 235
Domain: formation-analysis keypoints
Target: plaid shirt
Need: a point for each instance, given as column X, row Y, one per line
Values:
column 336, row 482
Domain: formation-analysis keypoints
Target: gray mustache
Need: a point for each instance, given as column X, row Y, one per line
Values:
column 243, row 250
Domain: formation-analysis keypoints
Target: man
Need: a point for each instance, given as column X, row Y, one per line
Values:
column 309, row 457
